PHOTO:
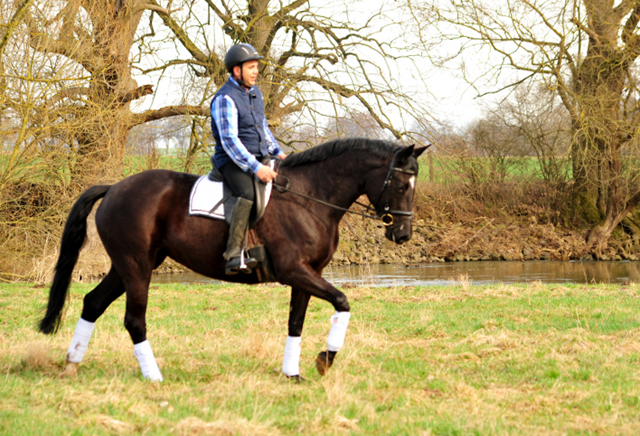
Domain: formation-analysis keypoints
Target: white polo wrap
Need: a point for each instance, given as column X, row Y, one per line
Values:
column 80, row 341
column 147, row 361
column 339, row 324
column 291, row 361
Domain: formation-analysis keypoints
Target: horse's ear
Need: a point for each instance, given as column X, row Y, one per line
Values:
column 418, row 151
column 404, row 155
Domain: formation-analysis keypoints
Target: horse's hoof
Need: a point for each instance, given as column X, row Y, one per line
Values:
column 296, row 378
column 71, row 370
column 324, row 361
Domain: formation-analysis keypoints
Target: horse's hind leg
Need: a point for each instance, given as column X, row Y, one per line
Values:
column 95, row 303
column 137, row 287
column 297, row 312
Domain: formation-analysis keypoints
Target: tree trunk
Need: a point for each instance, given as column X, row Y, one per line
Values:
column 598, row 134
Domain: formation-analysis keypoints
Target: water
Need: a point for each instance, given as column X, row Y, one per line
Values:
column 476, row 273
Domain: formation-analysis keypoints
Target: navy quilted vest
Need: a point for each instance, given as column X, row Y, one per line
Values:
column 250, row 107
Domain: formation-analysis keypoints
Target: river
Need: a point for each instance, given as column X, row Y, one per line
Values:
column 475, row 273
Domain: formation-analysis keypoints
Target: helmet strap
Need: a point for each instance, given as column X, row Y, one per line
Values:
column 240, row 79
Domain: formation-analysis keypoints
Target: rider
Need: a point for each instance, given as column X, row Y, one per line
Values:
column 243, row 138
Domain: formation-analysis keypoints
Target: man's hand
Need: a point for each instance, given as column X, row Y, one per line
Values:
column 282, row 156
column 266, row 174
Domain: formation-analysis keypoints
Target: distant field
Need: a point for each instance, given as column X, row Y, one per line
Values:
column 493, row 360
column 444, row 169
column 453, row 170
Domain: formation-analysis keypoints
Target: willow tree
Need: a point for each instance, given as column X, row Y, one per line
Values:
column 587, row 52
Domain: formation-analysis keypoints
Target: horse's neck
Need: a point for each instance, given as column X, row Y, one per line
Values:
column 341, row 182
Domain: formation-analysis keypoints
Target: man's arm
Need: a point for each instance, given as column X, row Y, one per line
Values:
column 274, row 148
column 225, row 114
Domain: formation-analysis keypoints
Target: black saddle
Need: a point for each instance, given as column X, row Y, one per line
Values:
column 229, row 200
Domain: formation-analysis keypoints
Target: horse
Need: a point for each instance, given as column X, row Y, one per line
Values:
column 143, row 219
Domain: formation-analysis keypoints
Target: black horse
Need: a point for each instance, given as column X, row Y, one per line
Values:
column 143, row 219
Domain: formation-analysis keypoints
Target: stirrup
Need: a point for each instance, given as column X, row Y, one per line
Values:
column 240, row 264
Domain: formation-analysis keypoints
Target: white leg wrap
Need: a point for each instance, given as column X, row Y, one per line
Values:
column 80, row 341
column 291, row 361
column 339, row 324
column 147, row 361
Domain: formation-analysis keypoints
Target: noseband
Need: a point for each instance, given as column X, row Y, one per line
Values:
column 385, row 214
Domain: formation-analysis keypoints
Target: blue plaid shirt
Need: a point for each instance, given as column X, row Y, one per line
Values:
column 225, row 115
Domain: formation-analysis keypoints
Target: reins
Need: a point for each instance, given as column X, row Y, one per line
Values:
column 281, row 188
column 386, row 216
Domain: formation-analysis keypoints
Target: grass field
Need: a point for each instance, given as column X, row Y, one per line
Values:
column 493, row 360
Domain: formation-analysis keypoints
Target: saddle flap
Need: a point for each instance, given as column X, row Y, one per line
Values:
column 262, row 190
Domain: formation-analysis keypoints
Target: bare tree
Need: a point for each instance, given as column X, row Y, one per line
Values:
column 321, row 60
column 540, row 120
column 586, row 52
column 85, row 47
column 357, row 124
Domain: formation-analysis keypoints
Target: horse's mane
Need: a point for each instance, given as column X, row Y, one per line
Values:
column 337, row 147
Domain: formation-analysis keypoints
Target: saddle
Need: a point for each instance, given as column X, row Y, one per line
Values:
column 229, row 201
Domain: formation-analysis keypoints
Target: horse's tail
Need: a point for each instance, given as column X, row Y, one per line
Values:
column 73, row 237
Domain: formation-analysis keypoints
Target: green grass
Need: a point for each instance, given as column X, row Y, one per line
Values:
column 460, row 360
column 447, row 170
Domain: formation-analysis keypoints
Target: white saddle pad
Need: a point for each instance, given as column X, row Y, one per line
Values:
column 206, row 193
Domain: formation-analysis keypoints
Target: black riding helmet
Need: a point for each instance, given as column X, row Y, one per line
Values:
column 239, row 54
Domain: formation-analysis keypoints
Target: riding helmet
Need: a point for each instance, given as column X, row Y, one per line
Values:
column 239, row 54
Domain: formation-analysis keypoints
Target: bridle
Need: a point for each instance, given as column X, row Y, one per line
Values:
column 385, row 214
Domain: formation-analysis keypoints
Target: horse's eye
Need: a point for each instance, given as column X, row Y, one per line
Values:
column 403, row 188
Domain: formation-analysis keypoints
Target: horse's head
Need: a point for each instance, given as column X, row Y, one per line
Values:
column 392, row 196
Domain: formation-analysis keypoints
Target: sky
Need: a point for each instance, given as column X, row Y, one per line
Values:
column 451, row 99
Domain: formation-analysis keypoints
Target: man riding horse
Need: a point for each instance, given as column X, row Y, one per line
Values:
column 243, row 139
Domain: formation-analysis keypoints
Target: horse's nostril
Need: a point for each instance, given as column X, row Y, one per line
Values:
column 402, row 239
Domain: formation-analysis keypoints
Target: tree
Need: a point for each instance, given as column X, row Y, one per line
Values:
column 357, row 124
column 324, row 60
column 539, row 119
column 86, row 46
column 586, row 51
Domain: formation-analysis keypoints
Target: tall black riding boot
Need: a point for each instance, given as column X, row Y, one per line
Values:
column 237, row 231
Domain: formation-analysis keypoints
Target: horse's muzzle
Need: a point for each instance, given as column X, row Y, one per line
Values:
column 400, row 232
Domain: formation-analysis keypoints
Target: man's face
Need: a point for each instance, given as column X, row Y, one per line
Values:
column 249, row 72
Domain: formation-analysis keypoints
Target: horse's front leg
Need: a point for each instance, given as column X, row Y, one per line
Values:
column 310, row 282
column 292, row 349
column 335, row 341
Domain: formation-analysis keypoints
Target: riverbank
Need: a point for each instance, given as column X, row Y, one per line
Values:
column 362, row 243
column 485, row 239
column 491, row 360
column 449, row 227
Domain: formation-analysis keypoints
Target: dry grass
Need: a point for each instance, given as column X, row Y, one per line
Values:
column 505, row 359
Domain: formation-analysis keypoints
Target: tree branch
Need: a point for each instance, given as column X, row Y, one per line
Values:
column 593, row 35
column 182, row 36
column 231, row 28
column 66, row 93
column 136, row 94
column 13, row 24
column 630, row 24
column 169, row 111
column 347, row 93
column 151, row 7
